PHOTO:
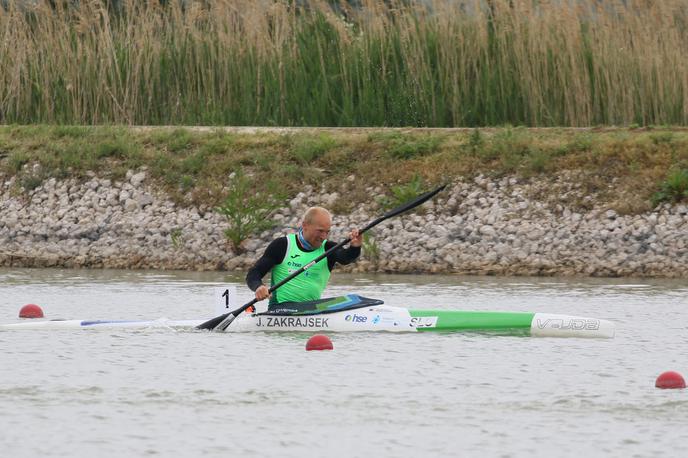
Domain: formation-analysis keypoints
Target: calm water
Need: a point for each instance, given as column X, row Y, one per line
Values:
column 171, row 393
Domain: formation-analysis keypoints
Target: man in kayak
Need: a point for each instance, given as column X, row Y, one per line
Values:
column 287, row 254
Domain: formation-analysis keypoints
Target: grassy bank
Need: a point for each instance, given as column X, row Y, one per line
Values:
column 395, row 63
column 626, row 169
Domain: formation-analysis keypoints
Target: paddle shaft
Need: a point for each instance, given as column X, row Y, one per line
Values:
column 221, row 322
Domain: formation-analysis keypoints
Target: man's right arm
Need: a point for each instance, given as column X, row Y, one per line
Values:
column 274, row 254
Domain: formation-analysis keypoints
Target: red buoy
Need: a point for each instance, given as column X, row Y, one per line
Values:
column 670, row 379
column 319, row 342
column 31, row 311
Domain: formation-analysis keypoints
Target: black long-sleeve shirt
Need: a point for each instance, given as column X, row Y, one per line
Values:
column 277, row 250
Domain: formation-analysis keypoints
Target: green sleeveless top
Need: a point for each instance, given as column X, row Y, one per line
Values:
column 309, row 284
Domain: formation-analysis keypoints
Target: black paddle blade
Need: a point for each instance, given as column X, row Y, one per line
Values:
column 224, row 324
column 405, row 207
column 213, row 322
column 415, row 202
column 220, row 323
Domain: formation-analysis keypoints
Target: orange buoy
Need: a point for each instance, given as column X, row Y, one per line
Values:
column 319, row 342
column 31, row 311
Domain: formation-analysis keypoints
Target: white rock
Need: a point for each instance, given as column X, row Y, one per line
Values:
column 130, row 205
column 487, row 230
column 144, row 200
column 137, row 179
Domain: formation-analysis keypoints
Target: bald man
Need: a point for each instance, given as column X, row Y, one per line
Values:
column 285, row 255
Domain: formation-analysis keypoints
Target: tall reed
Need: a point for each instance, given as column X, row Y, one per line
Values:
column 375, row 63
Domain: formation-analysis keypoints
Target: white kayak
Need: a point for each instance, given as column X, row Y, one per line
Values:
column 362, row 317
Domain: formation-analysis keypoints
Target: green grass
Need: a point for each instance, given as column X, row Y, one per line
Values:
column 247, row 210
column 403, row 193
column 175, row 141
column 371, row 250
column 30, row 182
column 406, row 146
column 353, row 162
column 537, row 161
column 16, row 161
column 116, row 147
column 307, row 149
column 674, row 188
column 70, row 131
column 662, row 137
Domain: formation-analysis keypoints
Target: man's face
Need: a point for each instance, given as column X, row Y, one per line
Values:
column 317, row 231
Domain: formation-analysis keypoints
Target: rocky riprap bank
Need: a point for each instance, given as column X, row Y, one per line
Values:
column 482, row 226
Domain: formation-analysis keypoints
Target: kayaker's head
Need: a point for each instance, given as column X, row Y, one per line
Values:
column 316, row 226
